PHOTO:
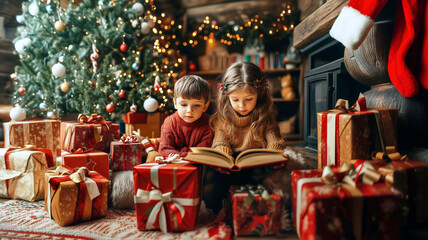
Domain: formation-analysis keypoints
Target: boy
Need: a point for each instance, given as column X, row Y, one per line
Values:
column 189, row 125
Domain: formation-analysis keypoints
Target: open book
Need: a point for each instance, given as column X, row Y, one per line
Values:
column 246, row 159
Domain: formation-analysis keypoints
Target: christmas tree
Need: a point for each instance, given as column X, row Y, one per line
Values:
column 104, row 57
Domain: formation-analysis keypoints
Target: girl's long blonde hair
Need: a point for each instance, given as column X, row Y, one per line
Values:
column 244, row 75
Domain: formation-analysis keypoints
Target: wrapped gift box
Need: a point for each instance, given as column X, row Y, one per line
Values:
column 43, row 134
column 255, row 213
column 94, row 161
column 124, row 156
column 167, row 196
column 409, row 177
column 134, row 117
column 71, row 199
column 89, row 132
column 22, row 173
column 343, row 137
column 151, row 128
column 339, row 211
column 86, row 135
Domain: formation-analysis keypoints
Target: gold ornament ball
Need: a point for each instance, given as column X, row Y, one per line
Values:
column 65, row 87
column 59, row 26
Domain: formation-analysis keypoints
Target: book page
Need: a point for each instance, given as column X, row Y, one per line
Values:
column 258, row 157
column 209, row 156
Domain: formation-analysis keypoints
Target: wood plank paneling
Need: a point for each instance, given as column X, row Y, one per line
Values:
column 317, row 24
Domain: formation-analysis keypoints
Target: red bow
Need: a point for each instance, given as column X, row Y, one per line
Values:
column 81, row 150
column 360, row 105
column 129, row 139
column 222, row 86
column 94, row 118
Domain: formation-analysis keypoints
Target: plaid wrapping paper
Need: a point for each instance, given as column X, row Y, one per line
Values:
column 338, row 211
column 44, row 134
column 167, row 196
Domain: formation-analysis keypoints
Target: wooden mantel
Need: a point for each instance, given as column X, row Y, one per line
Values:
column 318, row 23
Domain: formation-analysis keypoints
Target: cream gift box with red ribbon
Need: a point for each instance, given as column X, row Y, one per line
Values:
column 346, row 134
column 43, row 134
column 167, row 196
column 73, row 196
column 330, row 204
column 22, row 172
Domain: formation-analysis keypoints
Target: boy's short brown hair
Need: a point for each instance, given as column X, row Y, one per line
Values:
column 192, row 86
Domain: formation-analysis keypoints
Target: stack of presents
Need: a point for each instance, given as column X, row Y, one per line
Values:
column 363, row 188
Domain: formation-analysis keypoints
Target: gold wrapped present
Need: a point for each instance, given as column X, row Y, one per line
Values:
column 42, row 134
column 22, row 173
column 346, row 134
column 73, row 196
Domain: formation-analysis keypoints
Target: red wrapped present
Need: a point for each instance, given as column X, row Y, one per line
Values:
column 325, row 209
column 346, row 133
column 43, row 134
column 90, row 132
column 409, row 177
column 134, row 117
column 73, row 196
column 167, row 196
column 94, row 161
column 126, row 153
column 22, row 172
column 255, row 211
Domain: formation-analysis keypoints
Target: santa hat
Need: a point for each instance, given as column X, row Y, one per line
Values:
column 357, row 18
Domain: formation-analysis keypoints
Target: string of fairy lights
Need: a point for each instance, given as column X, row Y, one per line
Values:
column 237, row 32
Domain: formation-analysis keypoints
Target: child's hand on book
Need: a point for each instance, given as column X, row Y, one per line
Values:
column 286, row 155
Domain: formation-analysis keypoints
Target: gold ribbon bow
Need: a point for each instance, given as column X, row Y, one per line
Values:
column 390, row 154
column 351, row 174
column 360, row 105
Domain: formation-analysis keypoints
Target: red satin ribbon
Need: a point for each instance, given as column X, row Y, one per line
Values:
column 82, row 150
column 324, row 139
column 177, row 213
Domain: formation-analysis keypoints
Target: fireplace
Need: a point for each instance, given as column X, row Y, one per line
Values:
column 326, row 81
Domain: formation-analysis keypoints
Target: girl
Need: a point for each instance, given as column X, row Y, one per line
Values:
column 244, row 119
column 245, row 116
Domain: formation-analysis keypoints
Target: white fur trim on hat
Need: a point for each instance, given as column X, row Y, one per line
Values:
column 351, row 27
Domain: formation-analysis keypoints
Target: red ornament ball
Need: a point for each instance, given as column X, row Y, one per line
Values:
column 123, row 47
column 92, row 83
column 192, row 66
column 22, row 90
column 122, row 94
column 110, row 107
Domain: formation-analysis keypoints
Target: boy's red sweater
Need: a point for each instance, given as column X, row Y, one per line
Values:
column 177, row 136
